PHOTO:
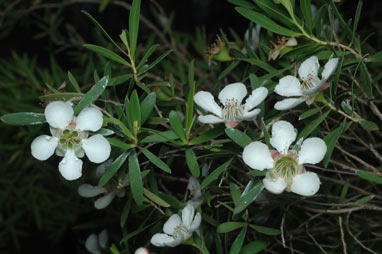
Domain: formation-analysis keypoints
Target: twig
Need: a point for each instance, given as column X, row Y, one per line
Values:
column 342, row 234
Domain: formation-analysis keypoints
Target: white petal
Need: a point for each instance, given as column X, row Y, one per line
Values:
column 161, row 240
column 276, row 185
column 210, row 119
column 70, row 167
column 97, row 148
column 91, row 244
column 291, row 42
column 43, row 147
column 288, row 103
column 255, row 32
column 306, row 184
column 194, row 187
column 188, row 213
column 195, row 223
column 288, row 86
column 103, row 238
column 249, row 115
column 59, row 114
column 142, row 250
column 312, row 151
column 206, row 101
column 233, row 91
column 309, row 67
column 171, row 223
column 89, row 119
column 329, row 68
column 257, row 97
column 104, row 201
column 100, row 170
column 88, row 191
column 283, row 134
column 257, row 156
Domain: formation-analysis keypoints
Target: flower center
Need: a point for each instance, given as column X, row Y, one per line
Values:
column 180, row 230
column 310, row 82
column 69, row 138
column 232, row 109
column 286, row 167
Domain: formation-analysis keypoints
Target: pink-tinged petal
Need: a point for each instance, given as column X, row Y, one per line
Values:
column 283, row 134
column 288, row 86
column 210, row 119
column 70, row 167
column 171, row 224
column 91, row 244
column 249, row 115
column 43, row 147
column 257, row 97
column 309, row 68
column 59, row 114
column 89, row 119
column 162, row 240
column 104, row 201
column 288, row 103
column 276, row 185
column 312, row 151
column 103, row 238
column 142, row 250
column 206, row 101
column 329, row 68
column 257, row 156
column 88, row 191
column 235, row 91
column 96, row 148
column 306, row 184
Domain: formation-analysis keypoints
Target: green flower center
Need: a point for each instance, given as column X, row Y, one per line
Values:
column 70, row 138
column 232, row 109
column 286, row 167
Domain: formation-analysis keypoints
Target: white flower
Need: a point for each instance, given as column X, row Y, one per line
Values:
column 285, row 167
column 88, row 191
column 255, row 36
column 177, row 229
column 142, row 250
column 70, row 138
column 311, row 84
column 232, row 111
column 94, row 242
column 195, row 192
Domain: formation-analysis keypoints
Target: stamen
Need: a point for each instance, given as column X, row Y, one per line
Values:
column 286, row 167
column 232, row 109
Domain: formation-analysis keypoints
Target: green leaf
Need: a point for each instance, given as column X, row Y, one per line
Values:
column 369, row 177
column 215, row 174
column 147, row 106
column 61, row 96
column 176, row 125
column 158, row 137
column 145, row 69
column 125, row 212
column 190, row 98
column 235, row 193
column 238, row 243
column 120, row 144
column 134, row 25
column 208, row 135
column 23, row 118
column 192, row 163
column 331, row 141
column 265, row 131
column 309, row 113
column 257, row 173
column 265, row 22
column 135, row 108
column 135, row 178
column 265, row 230
column 368, row 125
column 365, row 199
column 254, row 247
column 74, row 82
column 155, row 198
column 248, row 197
column 110, row 171
column 146, row 56
column 107, row 53
column 367, row 85
column 155, row 160
column 287, row 4
column 242, row 3
column 376, row 58
column 228, row 70
column 229, row 226
column 307, row 13
column 312, row 125
column 92, row 95
column 238, row 137
column 121, row 125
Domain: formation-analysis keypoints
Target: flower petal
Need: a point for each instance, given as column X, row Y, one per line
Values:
column 100, row 170
column 255, row 33
column 104, row 201
column 70, row 167
column 249, row 115
column 59, row 114
column 88, row 191
column 257, row 156
column 142, row 250
column 89, row 119
column 161, row 240
column 309, row 68
column 171, row 223
column 194, row 187
column 96, row 148
column 276, row 185
column 103, row 238
column 210, row 119
column 329, row 68
column 206, row 101
column 235, row 91
column 288, row 86
column 288, row 103
column 257, row 97
column 43, row 147
column 188, row 213
column 312, row 151
column 91, row 244
column 283, row 134
column 195, row 223
column 306, row 184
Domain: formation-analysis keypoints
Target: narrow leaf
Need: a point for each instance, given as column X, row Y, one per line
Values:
column 110, row 171
column 265, row 230
column 238, row 243
column 135, row 178
column 155, row 160
column 312, row 125
column 369, row 177
column 107, row 53
column 176, row 125
column 74, row 82
column 246, row 199
column 229, row 226
column 147, row 106
column 238, row 137
column 192, row 163
column 134, row 25
column 23, row 118
column 215, row 174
